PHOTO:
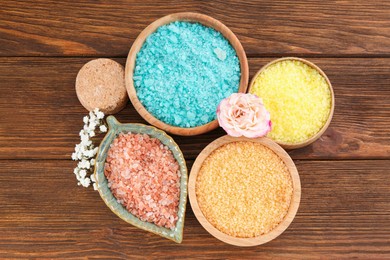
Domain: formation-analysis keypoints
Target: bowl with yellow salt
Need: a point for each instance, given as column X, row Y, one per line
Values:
column 299, row 97
column 244, row 192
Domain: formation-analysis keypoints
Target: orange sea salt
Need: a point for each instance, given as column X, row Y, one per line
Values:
column 244, row 189
column 144, row 176
column 298, row 98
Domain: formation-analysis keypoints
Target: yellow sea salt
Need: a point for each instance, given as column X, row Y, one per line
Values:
column 298, row 98
column 244, row 189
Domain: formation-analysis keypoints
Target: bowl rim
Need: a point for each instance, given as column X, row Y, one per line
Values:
column 330, row 116
column 115, row 127
column 254, row 241
column 137, row 45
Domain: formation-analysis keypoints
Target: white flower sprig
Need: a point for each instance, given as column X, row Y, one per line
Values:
column 85, row 151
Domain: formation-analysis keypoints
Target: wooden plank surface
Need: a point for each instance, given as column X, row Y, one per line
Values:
column 108, row 28
column 345, row 208
column 46, row 115
column 344, row 212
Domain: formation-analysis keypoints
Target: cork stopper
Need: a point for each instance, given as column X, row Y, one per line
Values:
column 100, row 84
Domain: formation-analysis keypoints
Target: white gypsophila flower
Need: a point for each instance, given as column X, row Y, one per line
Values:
column 87, row 164
column 85, row 182
column 85, row 151
column 85, row 144
column 83, row 173
column 84, row 164
column 92, row 117
column 89, row 130
column 92, row 125
column 74, row 156
column 89, row 153
column 103, row 128
column 88, row 143
column 99, row 115
column 80, row 164
column 82, row 148
column 78, row 176
column 84, row 138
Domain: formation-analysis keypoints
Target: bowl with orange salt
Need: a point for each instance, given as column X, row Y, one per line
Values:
column 244, row 192
column 141, row 175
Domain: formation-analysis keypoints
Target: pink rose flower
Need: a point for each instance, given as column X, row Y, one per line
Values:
column 243, row 115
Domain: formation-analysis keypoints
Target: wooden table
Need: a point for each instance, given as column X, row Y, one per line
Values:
column 345, row 175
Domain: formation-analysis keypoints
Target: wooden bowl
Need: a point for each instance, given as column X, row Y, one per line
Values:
column 325, row 126
column 102, row 184
column 137, row 45
column 295, row 200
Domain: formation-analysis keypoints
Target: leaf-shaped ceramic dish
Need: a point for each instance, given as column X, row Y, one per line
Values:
column 102, row 185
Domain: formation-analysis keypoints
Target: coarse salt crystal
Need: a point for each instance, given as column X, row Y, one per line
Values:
column 221, row 54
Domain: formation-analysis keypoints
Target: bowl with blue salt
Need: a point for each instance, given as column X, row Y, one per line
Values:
column 179, row 69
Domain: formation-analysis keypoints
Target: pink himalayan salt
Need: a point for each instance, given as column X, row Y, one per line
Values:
column 144, row 176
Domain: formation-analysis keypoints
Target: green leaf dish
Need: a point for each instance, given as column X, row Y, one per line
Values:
column 102, row 184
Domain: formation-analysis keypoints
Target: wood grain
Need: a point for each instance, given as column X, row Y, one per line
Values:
column 107, row 28
column 41, row 116
column 344, row 213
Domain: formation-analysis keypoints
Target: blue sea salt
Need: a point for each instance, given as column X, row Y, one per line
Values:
column 183, row 71
column 221, row 54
